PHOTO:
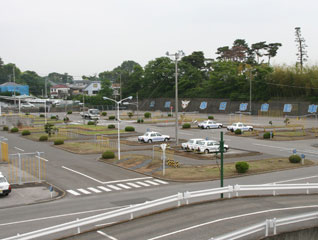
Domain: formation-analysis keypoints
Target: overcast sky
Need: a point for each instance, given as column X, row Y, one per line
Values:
column 85, row 37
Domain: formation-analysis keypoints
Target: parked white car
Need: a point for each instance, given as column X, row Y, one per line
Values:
column 210, row 146
column 209, row 124
column 149, row 137
column 27, row 105
column 5, row 187
column 239, row 125
column 191, row 144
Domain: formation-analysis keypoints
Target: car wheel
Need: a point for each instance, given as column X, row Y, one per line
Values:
column 225, row 149
column 207, row 127
column 206, row 151
column 219, row 126
column 166, row 139
column 250, row 129
column 149, row 141
column 202, row 127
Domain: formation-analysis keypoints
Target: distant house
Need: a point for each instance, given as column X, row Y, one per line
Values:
column 93, row 88
column 78, row 86
column 59, row 91
column 14, row 87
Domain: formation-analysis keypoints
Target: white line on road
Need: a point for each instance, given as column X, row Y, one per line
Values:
column 229, row 218
column 104, row 224
column 73, row 192
column 94, row 190
column 19, row 149
column 82, row 174
column 189, row 134
column 160, row 181
column 309, row 152
column 106, row 235
column 83, row 191
column 297, row 179
column 104, row 189
column 114, row 187
column 127, row 180
column 123, row 186
column 151, row 182
column 134, row 185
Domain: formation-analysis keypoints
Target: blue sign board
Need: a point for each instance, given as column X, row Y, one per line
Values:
column 294, row 151
column 287, row 107
column 222, row 105
column 152, row 103
column 167, row 104
column 312, row 108
column 51, row 189
column 302, row 155
column 243, row 106
column 203, row 105
column 264, row 107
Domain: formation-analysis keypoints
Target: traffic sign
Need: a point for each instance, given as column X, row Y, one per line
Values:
column 294, row 151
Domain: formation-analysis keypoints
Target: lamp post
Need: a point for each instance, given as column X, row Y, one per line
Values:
column 118, row 120
column 176, row 55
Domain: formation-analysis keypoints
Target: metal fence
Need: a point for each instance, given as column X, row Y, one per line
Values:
column 103, row 142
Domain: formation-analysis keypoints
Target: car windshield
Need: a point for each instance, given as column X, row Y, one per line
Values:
column 3, row 180
column 95, row 111
column 200, row 142
column 146, row 134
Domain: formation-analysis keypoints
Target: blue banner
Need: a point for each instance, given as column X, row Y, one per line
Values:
column 203, row 105
column 167, row 104
column 312, row 108
column 152, row 103
column 287, row 108
column 222, row 106
column 243, row 106
column 264, row 107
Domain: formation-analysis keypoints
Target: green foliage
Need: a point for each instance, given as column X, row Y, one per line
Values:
column 129, row 129
column 43, row 138
column 270, row 122
column 130, row 114
column 66, row 119
column 147, row 115
column 170, row 115
column 42, row 115
column 186, row 125
column 267, row 135
column 211, row 117
column 108, row 155
column 25, row 132
column 104, row 114
column 238, row 131
column 69, row 112
column 242, row 167
column 5, row 128
column 90, row 123
column 14, row 130
column 27, row 114
column 53, row 117
column 294, row 158
column 111, row 126
column 286, row 121
column 140, row 120
column 111, row 117
column 58, row 142
column 49, row 128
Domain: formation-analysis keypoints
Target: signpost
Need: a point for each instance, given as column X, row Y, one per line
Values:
column 221, row 151
column 163, row 147
column 51, row 191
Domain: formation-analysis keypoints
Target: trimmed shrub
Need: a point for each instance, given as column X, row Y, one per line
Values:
column 42, row 115
column 110, row 126
column 5, row 128
column 14, row 130
column 211, row 117
column 58, row 142
column 267, row 135
column 130, row 114
column 69, row 112
column 169, row 115
column 129, row 129
column 43, row 138
column 140, row 120
column 147, row 115
column 186, row 125
column 90, row 123
column 111, row 117
column 53, row 117
column 242, row 167
column 66, row 120
column 104, row 114
column 294, row 158
column 108, row 155
column 27, row 114
column 238, row 131
column 25, row 132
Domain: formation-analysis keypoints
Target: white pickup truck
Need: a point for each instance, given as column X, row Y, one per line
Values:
column 91, row 114
column 239, row 125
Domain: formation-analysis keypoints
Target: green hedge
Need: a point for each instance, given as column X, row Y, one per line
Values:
column 25, row 132
column 53, row 117
column 147, row 115
column 5, row 128
column 108, row 155
column 110, row 126
column 238, row 131
column 111, row 117
column 211, row 117
column 104, row 114
column 242, row 167
column 186, row 125
column 42, row 115
column 43, row 138
column 129, row 129
column 69, row 112
column 58, row 142
column 267, row 135
column 90, row 123
column 14, row 130
column 140, row 120
column 294, row 158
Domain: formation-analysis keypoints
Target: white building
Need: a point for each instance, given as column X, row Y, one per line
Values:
column 93, row 88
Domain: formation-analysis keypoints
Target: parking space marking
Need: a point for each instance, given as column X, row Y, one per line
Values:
column 82, row 174
column 123, row 186
column 114, row 187
column 127, row 180
column 83, row 191
column 134, row 185
column 19, row 149
column 106, row 235
column 309, row 152
column 94, row 190
column 151, row 182
column 297, row 179
column 104, row 189
column 73, row 192
column 189, row 134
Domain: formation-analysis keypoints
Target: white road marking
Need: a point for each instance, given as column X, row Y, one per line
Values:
column 309, row 152
column 160, row 181
column 73, row 192
column 19, row 149
column 104, row 224
column 83, row 191
column 297, row 179
column 106, row 235
column 114, row 187
column 189, row 134
column 82, row 174
column 104, row 189
column 123, row 186
column 127, row 180
column 232, row 217
column 143, row 184
column 153, row 183
column 42, row 158
column 134, row 185
column 94, row 190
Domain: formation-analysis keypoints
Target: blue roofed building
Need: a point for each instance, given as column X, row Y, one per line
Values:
column 14, row 87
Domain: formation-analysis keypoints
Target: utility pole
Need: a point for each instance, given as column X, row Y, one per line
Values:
column 13, row 70
column 250, row 92
column 221, row 151
column 137, row 108
column 45, row 84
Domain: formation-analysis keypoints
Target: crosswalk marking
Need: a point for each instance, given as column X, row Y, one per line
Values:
column 160, row 181
column 123, row 186
column 104, row 189
column 94, row 190
column 143, row 184
column 114, row 187
column 84, row 191
column 153, row 183
column 134, row 185
column 73, row 192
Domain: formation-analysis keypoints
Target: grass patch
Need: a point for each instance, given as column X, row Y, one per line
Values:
column 85, row 147
column 36, row 136
column 291, row 134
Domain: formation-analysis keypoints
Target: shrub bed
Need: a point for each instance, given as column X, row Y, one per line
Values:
column 69, row 112
column 267, row 135
column 90, row 123
column 111, row 118
column 147, row 115
column 186, row 125
column 294, row 158
column 108, row 155
column 238, row 131
column 58, row 142
column 104, row 114
column 43, row 138
column 42, row 115
column 25, row 132
column 140, row 120
column 211, row 117
column 53, row 117
column 242, row 167
column 14, row 130
column 110, row 126
column 129, row 129
column 5, row 128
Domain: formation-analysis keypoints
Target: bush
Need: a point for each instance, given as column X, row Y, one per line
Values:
column 25, row 132
column 90, row 123
column 104, row 114
column 108, row 155
column 43, row 138
column 27, row 114
column 210, row 117
column 242, row 167
column 186, row 125
column 58, row 142
column 294, row 158
column 42, row 115
column 111, row 118
column 110, row 126
column 140, row 120
column 129, row 129
column 14, row 130
column 130, row 114
column 5, row 128
column 69, row 112
column 267, row 135
column 53, row 117
column 147, row 115
column 169, row 115
column 66, row 120
column 238, row 131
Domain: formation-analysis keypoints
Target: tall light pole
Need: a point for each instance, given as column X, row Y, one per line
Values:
column 118, row 120
column 176, row 55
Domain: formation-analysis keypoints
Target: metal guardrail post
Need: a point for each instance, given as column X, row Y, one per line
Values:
column 131, row 214
column 39, row 165
column 78, row 228
column 266, row 227
column 20, row 170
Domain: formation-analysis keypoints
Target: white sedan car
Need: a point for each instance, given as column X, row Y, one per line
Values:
column 149, row 137
column 240, row 126
column 5, row 187
column 210, row 146
column 209, row 124
column 191, row 144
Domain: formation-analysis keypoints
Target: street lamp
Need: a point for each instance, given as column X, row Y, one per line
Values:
column 176, row 55
column 118, row 120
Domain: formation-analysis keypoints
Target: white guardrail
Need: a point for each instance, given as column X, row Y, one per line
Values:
column 177, row 198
